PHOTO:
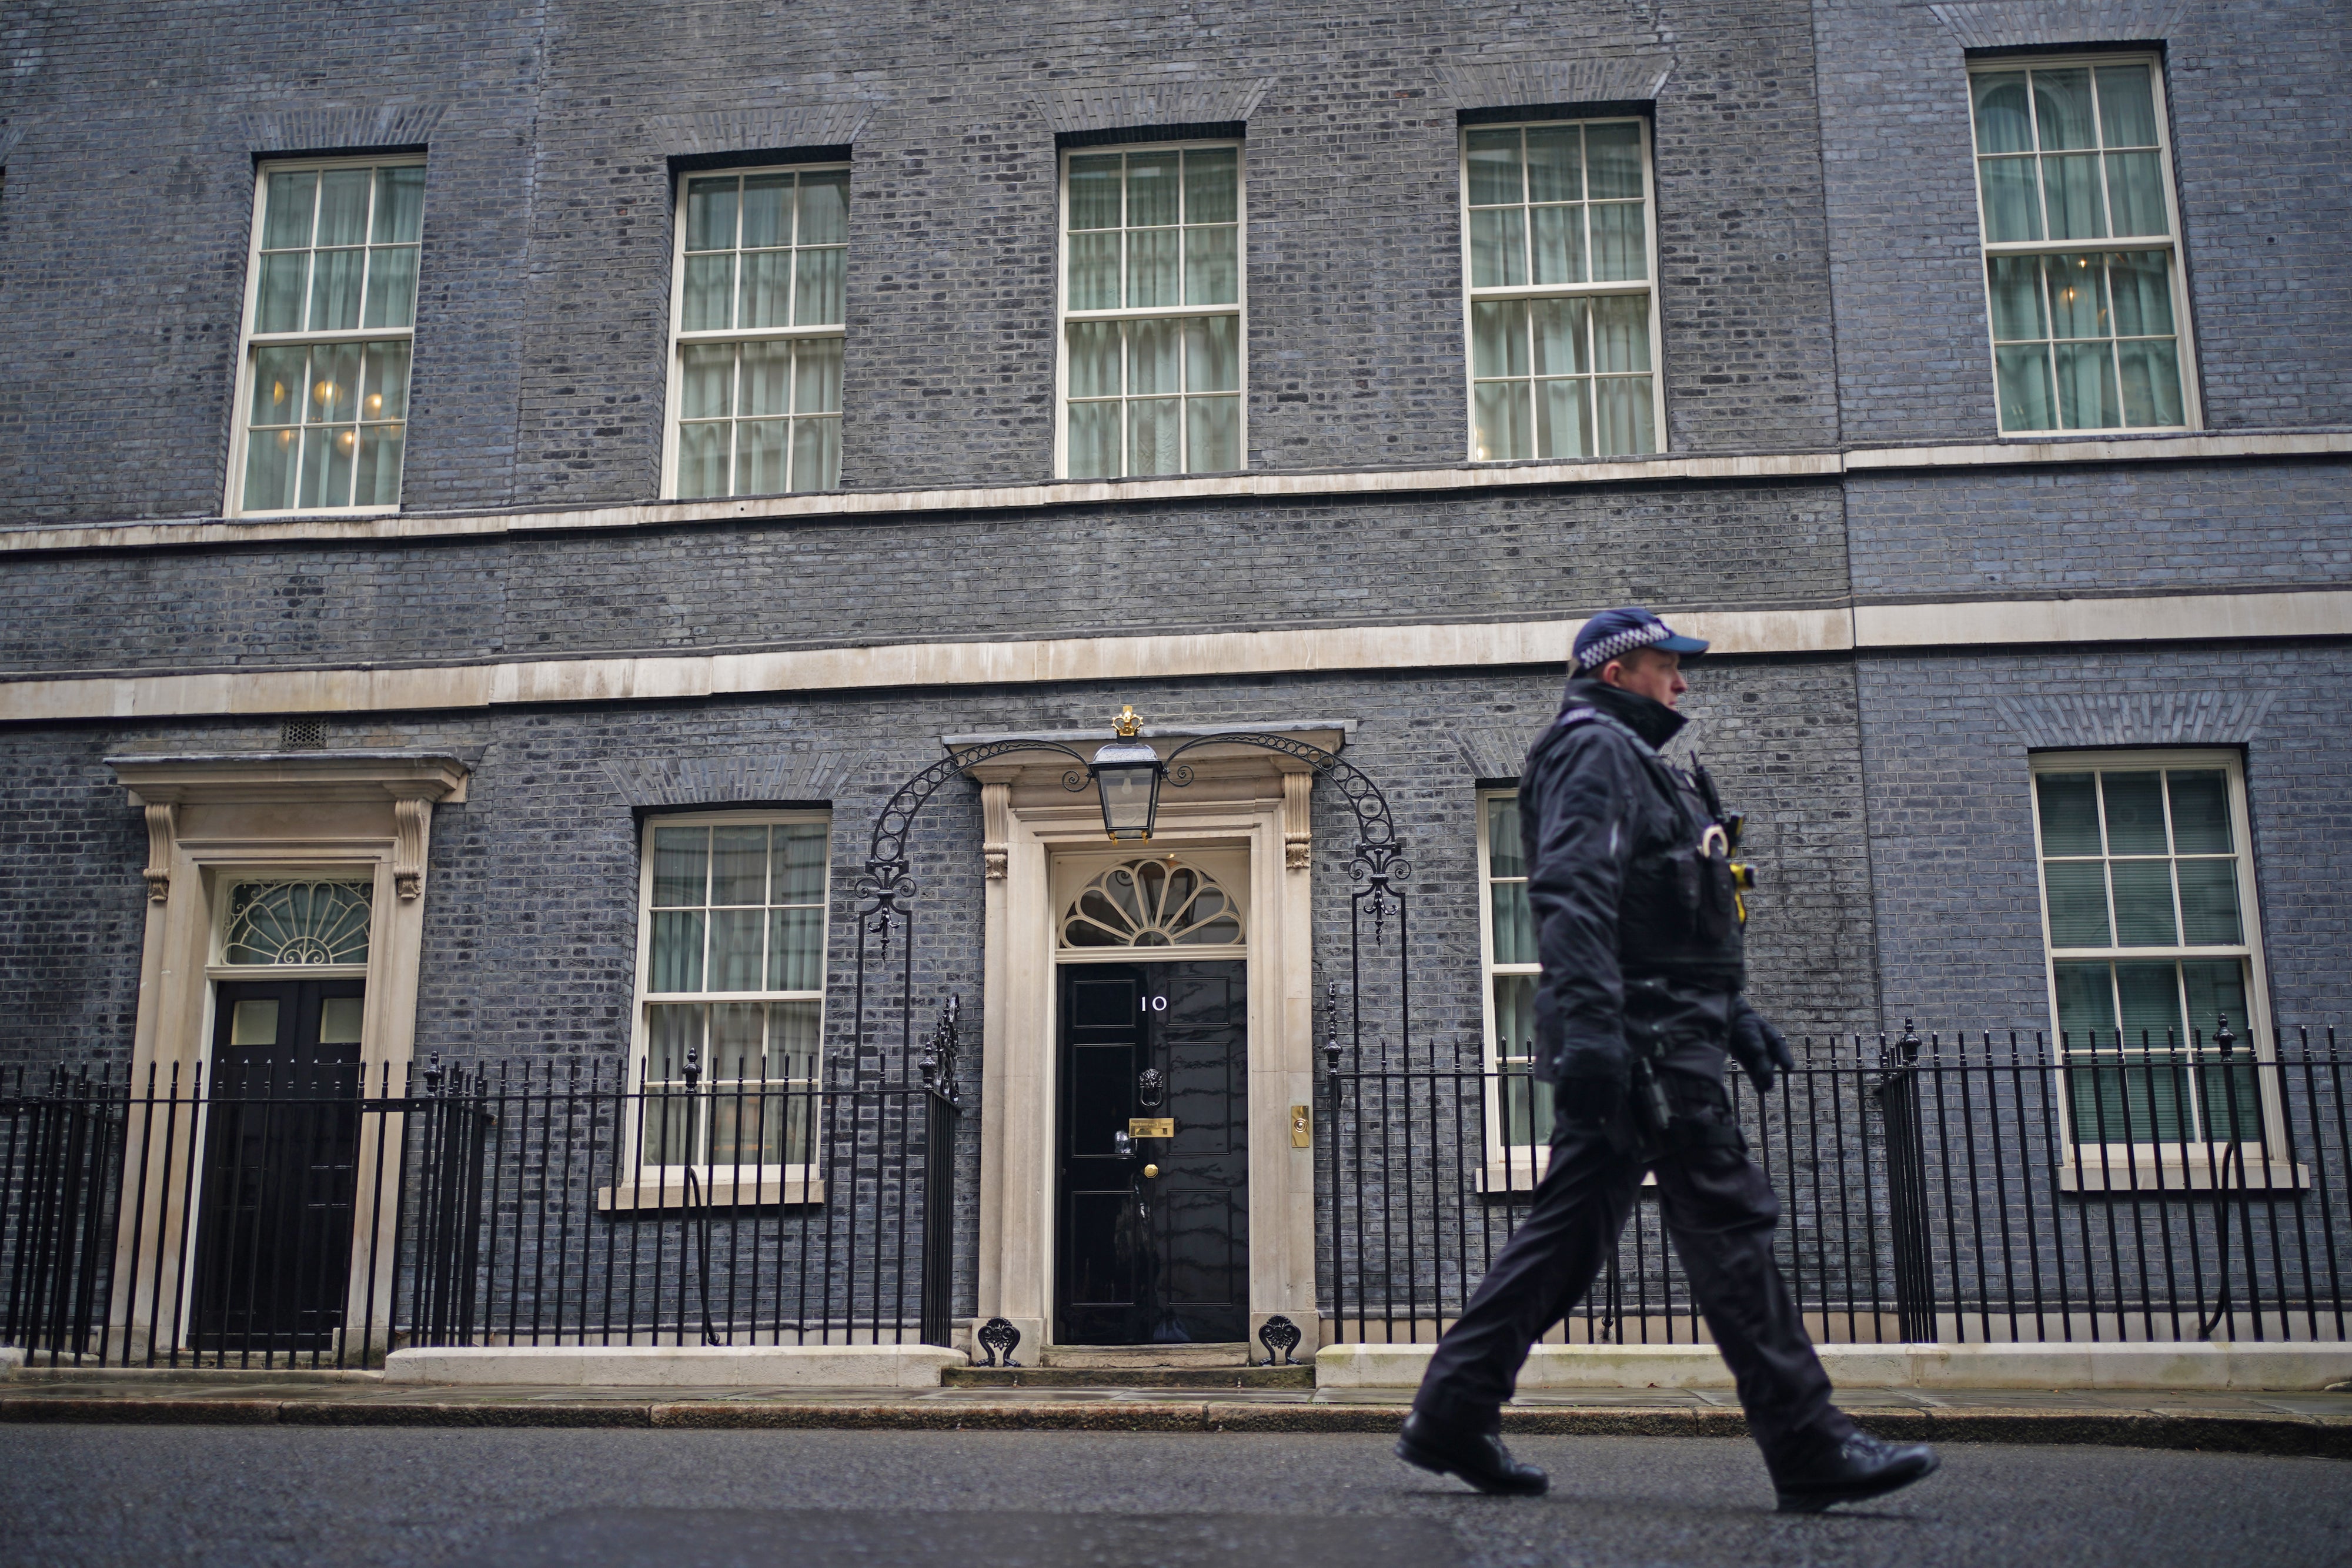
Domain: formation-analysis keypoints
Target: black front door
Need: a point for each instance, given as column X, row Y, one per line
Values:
column 1154, row 1230
column 281, row 1148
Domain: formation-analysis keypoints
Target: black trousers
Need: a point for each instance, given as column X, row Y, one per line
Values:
column 1719, row 1210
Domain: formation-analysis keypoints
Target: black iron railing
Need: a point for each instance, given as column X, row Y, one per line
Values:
column 292, row 1215
column 1947, row 1188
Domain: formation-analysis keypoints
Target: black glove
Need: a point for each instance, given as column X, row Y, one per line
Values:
column 1761, row 1050
column 1588, row 1102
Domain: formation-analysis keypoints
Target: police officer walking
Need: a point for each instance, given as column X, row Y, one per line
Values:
column 1638, row 925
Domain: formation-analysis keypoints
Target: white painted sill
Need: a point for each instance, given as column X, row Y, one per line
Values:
column 663, row 1189
column 2170, row 1174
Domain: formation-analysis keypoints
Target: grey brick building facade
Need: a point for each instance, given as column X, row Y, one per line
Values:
column 1911, row 606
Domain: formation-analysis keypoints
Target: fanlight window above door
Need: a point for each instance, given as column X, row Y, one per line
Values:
column 1152, row 904
column 297, row 923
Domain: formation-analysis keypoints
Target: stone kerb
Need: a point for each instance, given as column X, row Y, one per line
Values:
column 698, row 1366
column 2193, row 1366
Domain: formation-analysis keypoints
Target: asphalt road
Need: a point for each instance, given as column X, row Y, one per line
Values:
column 572, row 1499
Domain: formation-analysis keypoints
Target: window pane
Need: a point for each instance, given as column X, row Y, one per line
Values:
column 2134, row 814
column 767, row 210
column 377, row 483
column 2062, row 98
column 1527, row 1105
column 1558, row 243
column 343, row 206
column 2024, row 376
column 816, row 454
column 701, row 460
column 1215, row 431
column 767, row 383
column 797, row 871
column 706, row 380
column 287, row 209
column 1493, row 160
column 2150, row 994
column 2144, row 903
column 1503, row 435
column 280, row 376
column 2200, row 812
column 1514, row 925
column 817, row 375
column 399, row 206
column 760, row 450
column 737, row 943
column 739, row 865
column 1152, row 274
column 2126, row 106
column 2142, row 284
column 2087, row 386
column 2004, row 121
column 1095, row 352
column 278, row 302
column 2012, row 206
column 2070, row 196
column 391, row 287
column 2216, row 989
column 825, row 208
column 334, row 385
column 1564, row 419
column 2233, row 1106
column 1211, row 354
column 1212, row 186
column 1211, row 274
column 1094, row 271
column 1554, row 163
column 681, row 865
column 1094, row 192
column 796, row 948
column 1505, row 856
column 1498, row 339
column 2078, row 904
column 817, row 288
column 2015, row 285
column 2136, row 192
column 1621, row 332
column 710, row 293
column 2151, row 382
column 2069, row 806
column 327, row 456
column 1151, row 189
column 335, row 289
column 2209, row 904
column 738, row 1040
column 1155, row 436
column 1612, row 161
column 672, row 1029
column 1560, row 336
column 270, row 459
column 1151, row 350
column 2086, row 1001
column 764, row 288
column 1619, row 251
column 678, row 951
column 710, row 213
column 1094, row 441
column 1498, row 248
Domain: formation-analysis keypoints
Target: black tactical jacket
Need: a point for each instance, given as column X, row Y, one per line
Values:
column 1632, row 898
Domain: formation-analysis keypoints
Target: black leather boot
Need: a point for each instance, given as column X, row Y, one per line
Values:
column 1821, row 1475
column 1478, row 1457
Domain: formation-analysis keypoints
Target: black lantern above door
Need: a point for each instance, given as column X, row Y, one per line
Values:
column 1126, row 774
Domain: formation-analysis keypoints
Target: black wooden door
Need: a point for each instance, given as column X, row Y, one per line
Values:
column 281, row 1147
column 1160, row 1258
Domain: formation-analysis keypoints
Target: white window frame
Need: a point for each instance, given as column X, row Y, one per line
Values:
column 249, row 340
column 681, row 339
column 1509, row 1166
column 2188, row 1162
column 1064, row 316
column 1473, row 296
column 641, row 1184
column 2184, row 335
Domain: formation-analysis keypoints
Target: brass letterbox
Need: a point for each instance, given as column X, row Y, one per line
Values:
column 1152, row 1127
